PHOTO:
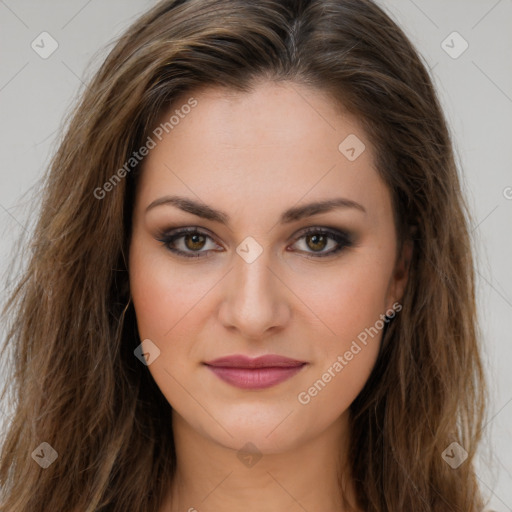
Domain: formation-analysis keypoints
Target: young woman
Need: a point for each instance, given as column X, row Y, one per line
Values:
column 251, row 284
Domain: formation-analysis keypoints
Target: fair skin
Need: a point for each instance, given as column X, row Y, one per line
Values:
column 253, row 156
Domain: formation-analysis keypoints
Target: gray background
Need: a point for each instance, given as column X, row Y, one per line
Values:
column 475, row 90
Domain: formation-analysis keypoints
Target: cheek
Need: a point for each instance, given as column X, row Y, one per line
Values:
column 346, row 301
column 164, row 294
column 350, row 303
column 165, row 301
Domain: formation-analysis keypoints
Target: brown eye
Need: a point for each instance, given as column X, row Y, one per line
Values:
column 316, row 242
column 194, row 242
column 189, row 243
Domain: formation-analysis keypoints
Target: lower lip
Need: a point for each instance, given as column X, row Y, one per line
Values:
column 255, row 378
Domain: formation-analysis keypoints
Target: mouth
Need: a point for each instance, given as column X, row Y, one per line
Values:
column 255, row 373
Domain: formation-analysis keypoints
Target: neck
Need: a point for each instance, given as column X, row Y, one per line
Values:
column 211, row 477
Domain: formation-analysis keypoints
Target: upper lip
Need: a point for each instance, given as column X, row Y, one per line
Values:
column 266, row 361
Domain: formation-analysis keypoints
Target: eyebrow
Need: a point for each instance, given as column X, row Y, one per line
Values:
column 291, row 215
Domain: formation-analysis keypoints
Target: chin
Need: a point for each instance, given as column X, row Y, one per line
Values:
column 271, row 429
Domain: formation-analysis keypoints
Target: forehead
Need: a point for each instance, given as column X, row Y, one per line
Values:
column 275, row 144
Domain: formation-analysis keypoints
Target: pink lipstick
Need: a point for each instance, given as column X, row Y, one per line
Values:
column 255, row 373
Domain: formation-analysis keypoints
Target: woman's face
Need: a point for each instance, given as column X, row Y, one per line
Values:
column 245, row 172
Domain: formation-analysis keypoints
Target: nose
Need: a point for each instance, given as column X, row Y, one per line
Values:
column 255, row 299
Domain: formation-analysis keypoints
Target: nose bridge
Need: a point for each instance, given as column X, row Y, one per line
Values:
column 254, row 301
column 253, row 277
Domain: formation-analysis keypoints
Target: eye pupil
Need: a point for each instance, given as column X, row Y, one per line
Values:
column 195, row 238
column 315, row 239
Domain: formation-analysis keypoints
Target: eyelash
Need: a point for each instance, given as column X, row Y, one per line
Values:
column 343, row 239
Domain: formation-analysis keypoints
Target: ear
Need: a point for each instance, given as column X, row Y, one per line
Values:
column 400, row 272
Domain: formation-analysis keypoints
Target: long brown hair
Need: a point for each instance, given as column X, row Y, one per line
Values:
column 75, row 382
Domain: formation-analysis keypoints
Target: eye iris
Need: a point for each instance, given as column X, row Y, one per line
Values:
column 195, row 238
column 315, row 239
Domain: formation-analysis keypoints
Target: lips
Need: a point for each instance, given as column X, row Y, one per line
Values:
column 255, row 373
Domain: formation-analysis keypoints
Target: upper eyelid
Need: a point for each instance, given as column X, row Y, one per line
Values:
column 177, row 233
